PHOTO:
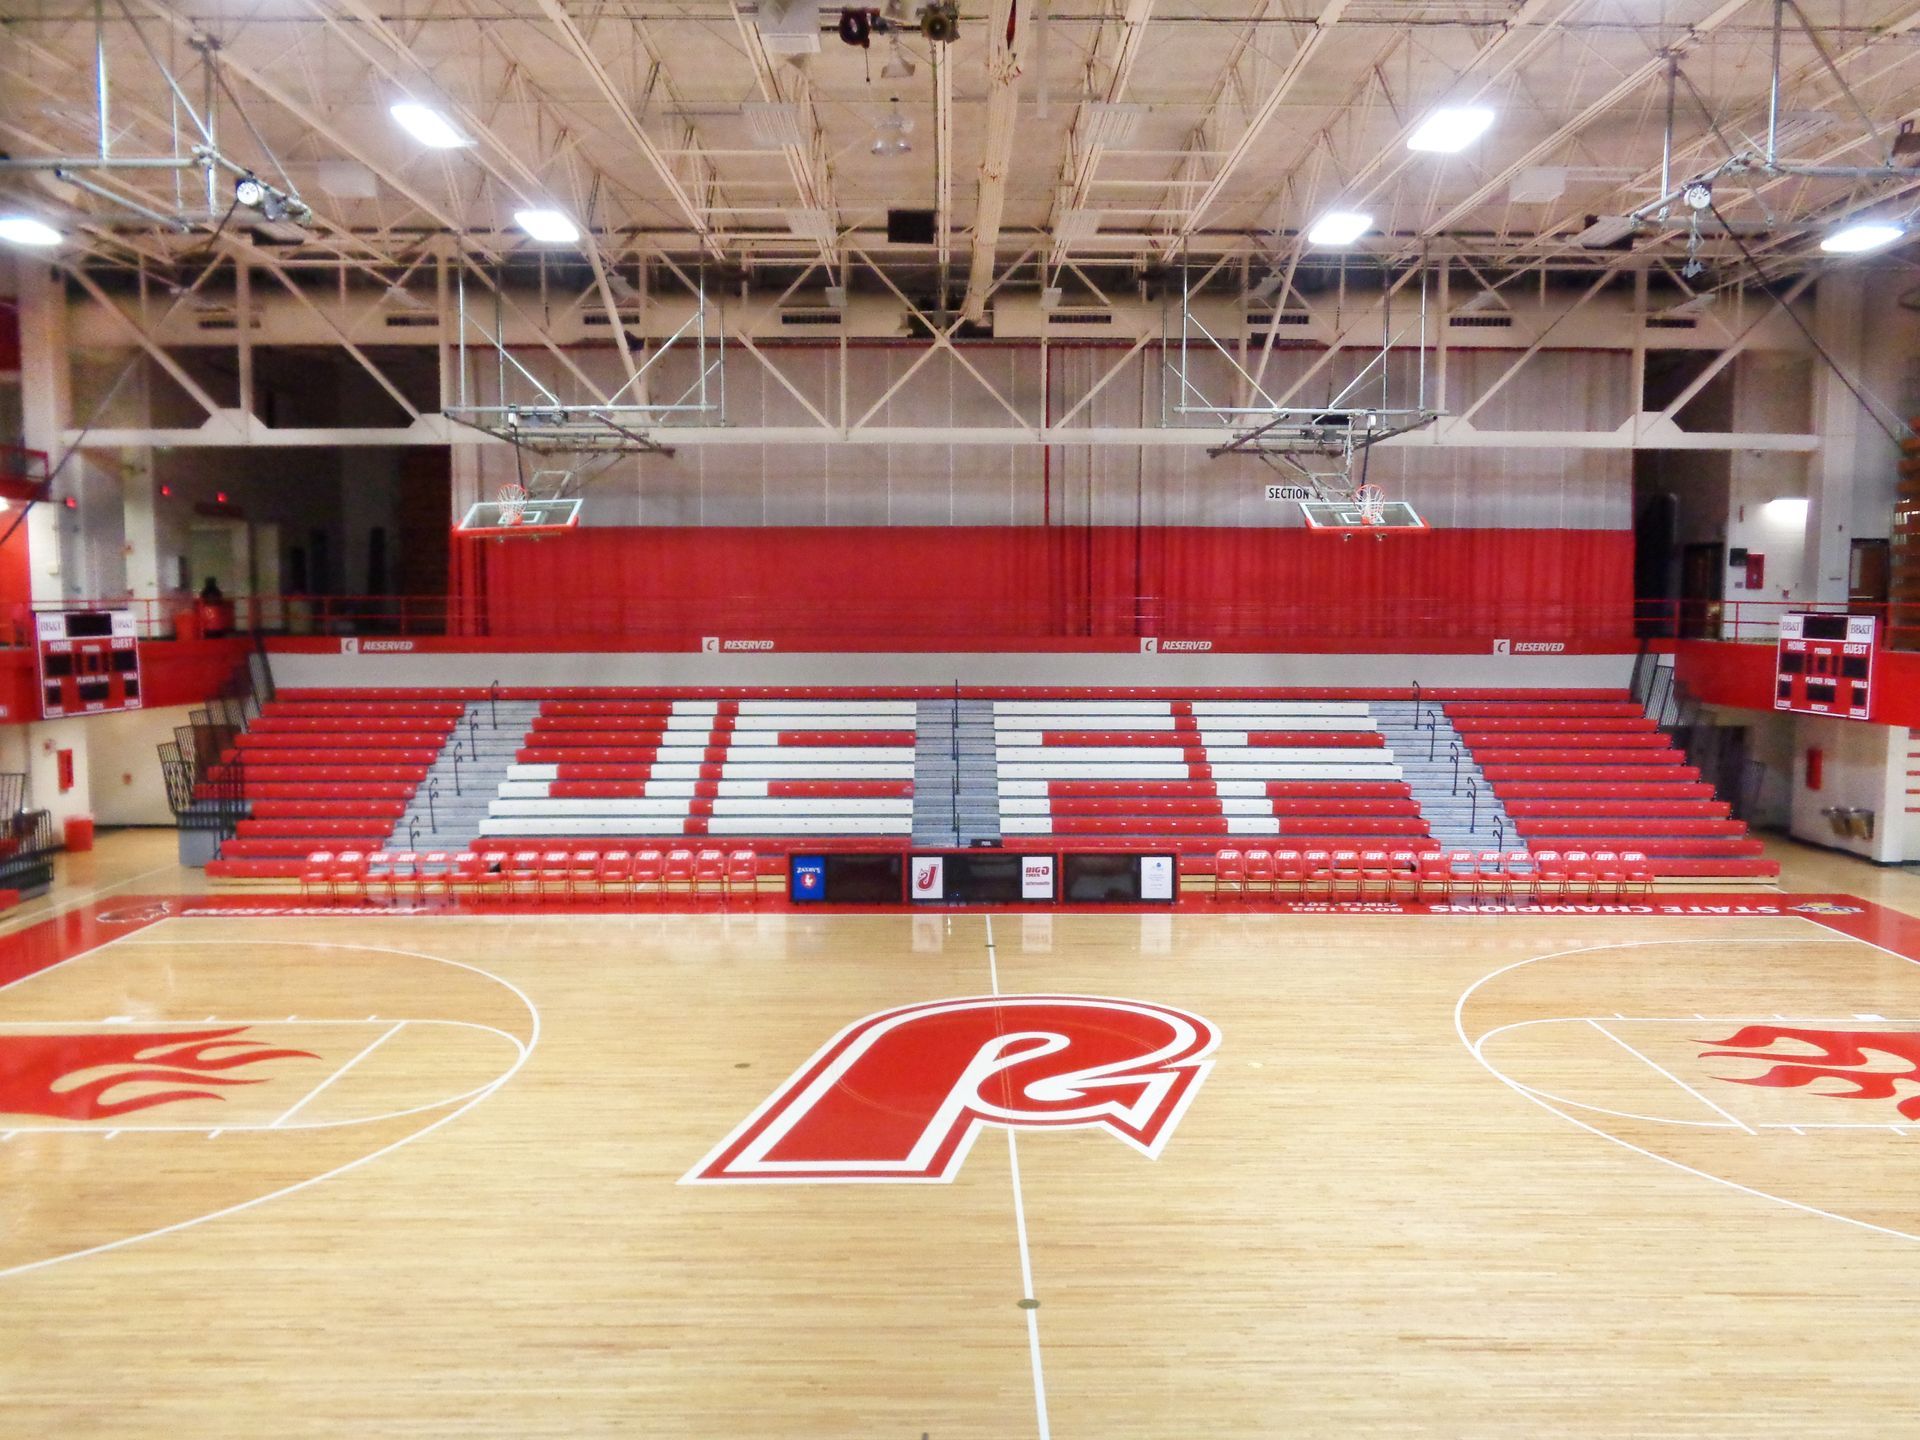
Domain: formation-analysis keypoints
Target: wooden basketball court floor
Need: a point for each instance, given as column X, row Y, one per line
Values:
column 1437, row 1175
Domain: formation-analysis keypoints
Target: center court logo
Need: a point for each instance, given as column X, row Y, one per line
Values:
column 902, row 1095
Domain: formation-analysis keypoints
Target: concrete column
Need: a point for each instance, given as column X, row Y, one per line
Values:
column 1853, row 467
column 46, row 404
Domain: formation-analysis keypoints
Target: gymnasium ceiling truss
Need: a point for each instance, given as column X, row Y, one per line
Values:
column 720, row 159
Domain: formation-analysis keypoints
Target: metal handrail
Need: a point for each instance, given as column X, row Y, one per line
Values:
column 1416, row 703
column 1453, row 748
column 456, row 769
column 1433, row 735
column 433, row 820
column 1473, row 806
column 1499, row 833
column 493, row 702
column 473, row 738
column 413, row 832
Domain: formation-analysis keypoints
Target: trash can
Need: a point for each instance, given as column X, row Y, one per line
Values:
column 79, row 832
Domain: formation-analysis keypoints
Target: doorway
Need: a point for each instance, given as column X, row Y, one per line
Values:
column 1703, row 568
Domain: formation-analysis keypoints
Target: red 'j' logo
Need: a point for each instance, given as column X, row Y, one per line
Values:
column 902, row 1095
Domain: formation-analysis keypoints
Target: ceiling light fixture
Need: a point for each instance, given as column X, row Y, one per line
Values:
column 25, row 230
column 1339, row 227
column 1451, row 130
column 1860, row 237
column 891, row 131
column 427, row 125
column 549, row 227
column 898, row 67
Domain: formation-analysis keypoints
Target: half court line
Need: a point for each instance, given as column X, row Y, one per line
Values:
column 1029, row 1302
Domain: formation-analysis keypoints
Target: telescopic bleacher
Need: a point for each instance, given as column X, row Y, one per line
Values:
column 1187, row 771
column 639, row 768
column 1598, row 773
column 1200, row 771
column 331, row 768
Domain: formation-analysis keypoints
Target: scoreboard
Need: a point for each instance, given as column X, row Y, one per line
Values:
column 1824, row 665
column 89, row 662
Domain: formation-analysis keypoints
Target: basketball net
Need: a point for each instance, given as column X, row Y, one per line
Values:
column 513, row 503
column 1372, row 502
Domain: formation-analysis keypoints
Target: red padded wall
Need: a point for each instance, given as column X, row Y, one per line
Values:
column 1573, row 585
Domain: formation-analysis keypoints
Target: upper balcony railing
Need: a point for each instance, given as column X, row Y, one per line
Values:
column 618, row 622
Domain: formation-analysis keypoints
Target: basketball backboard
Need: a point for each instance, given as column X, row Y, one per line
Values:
column 523, row 519
column 1348, row 514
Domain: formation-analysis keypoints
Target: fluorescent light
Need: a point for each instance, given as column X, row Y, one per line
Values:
column 1449, row 131
column 427, row 125
column 1861, row 236
column 549, row 227
column 1339, row 227
column 24, row 230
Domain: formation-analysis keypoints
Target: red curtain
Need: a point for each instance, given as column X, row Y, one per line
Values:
column 823, row 583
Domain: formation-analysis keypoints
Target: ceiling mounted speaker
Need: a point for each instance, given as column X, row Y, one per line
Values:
column 910, row 227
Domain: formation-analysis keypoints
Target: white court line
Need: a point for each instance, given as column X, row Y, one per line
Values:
column 1473, row 1048
column 1031, row 1301
column 1661, row 1069
column 371, row 1046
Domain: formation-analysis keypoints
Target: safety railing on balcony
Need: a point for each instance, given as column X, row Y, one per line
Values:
column 1411, row 625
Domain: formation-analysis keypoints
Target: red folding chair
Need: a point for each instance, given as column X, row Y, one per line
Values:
column 1639, row 871
column 1435, row 880
column 1405, row 878
column 1549, row 875
column 1229, row 873
column 468, row 875
column 616, row 874
column 523, row 875
column 316, row 876
column 583, row 875
column 1317, row 866
column 1490, row 881
column 1343, row 874
column 1376, row 875
column 1289, row 870
column 649, row 873
column 378, row 882
column 1260, row 870
column 679, row 871
column 556, row 875
column 1520, row 874
column 432, row 874
column 1581, row 877
column 743, row 873
column 1609, row 875
column 348, row 877
column 710, row 871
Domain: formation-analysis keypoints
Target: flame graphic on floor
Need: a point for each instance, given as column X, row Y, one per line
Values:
column 68, row 1077
column 1841, row 1055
